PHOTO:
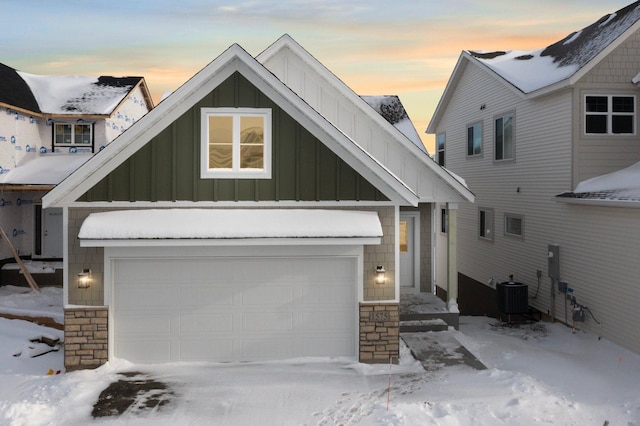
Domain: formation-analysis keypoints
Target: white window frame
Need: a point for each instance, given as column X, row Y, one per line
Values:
column 507, row 217
column 73, row 134
column 487, row 232
column 235, row 172
column 610, row 114
column 513, row 137
column 473, row 126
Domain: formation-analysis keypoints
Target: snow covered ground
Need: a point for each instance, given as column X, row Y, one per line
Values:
column 537, row 374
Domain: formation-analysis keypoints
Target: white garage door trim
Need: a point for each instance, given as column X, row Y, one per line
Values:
column 113, row 254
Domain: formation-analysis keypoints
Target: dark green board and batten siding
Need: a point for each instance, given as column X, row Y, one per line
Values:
column 168, row 167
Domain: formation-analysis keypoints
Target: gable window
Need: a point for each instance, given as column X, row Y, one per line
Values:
column 513, row 225
column 440, row 139
column 504, row 138
column 485, row 223
column 474, row 139
column 67, row 134
column 609, row 115
column 236, row 143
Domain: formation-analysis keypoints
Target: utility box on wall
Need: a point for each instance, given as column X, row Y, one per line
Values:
column 553, row 258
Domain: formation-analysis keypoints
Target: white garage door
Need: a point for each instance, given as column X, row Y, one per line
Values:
column 233, row 309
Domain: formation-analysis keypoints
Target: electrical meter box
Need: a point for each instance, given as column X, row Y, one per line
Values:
column 553, row 257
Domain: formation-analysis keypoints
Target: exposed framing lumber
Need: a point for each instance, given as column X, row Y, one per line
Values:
column 23, row 267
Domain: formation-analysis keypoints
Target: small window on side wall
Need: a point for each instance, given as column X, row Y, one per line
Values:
column 444, row 218
column 504, row 138
column 440, row 145
column 485, row 224
column 474, row 140
column 514, row 225
column 68, row 134
column 236, row 143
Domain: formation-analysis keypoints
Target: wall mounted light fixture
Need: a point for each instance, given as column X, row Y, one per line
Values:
column 84, row 278
column 380, row 278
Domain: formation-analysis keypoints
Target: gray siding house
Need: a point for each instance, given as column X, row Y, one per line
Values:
column 527, row 131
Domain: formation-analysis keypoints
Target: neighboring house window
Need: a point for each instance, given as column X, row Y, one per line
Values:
column 485, row 222
column 236, row 143
column 610, row 115
column 474, row 139
column 505, row 144
column 66, row 134
column 444, row 217
column 440, row 139
column 513, row 225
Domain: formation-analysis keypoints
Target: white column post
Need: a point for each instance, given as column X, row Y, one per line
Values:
column 452, row 257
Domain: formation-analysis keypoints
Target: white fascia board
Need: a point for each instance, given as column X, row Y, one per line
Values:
column 136, row 136
column 227, row 242
column 599, row 203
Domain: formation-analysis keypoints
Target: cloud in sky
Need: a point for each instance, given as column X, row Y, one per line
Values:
column 407, row 48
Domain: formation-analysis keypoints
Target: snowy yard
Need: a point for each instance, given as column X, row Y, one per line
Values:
column 537, row 374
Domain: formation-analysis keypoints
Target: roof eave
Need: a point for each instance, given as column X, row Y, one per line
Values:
column 598, row 202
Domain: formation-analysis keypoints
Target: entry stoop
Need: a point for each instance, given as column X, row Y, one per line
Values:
column 420, row 312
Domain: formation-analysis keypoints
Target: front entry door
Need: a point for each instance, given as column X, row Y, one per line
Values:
column 407, row 251
column 52, row 233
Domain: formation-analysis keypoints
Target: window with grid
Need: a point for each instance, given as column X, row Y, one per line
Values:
column 236, row 143
column 610, row 115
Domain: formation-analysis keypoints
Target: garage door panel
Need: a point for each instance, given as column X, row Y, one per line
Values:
column 206, row 295
column 267, row 321
column 261, row 349
column 149, row 350
column 319, row 345
column 205, row 324
column 136, row 324
column 261, row 294
column 203, row 349
column 231, row 309
column 134, row 296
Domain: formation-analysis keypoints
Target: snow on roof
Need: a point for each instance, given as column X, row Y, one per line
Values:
column 78, row 95
column 533, row 70
column 621, row 185
column 391, row 109
column 46, row 169
column 230, row 223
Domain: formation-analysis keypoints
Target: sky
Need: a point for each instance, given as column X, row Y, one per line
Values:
column 404, row 47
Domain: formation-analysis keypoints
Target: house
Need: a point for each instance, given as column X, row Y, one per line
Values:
column 254, row 214
column 49, row 126
column 528, row 131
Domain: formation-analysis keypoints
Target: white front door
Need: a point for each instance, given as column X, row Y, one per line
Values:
column 52, row 233
column 407, row 249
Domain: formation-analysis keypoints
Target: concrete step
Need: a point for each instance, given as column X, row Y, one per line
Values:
column 418, row 326
column 451, row 319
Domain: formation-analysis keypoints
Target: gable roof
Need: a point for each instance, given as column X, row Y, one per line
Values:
column 561, row 64
column 66, row 95
column 287, row 42
column 235, row 58
column 533, row 70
